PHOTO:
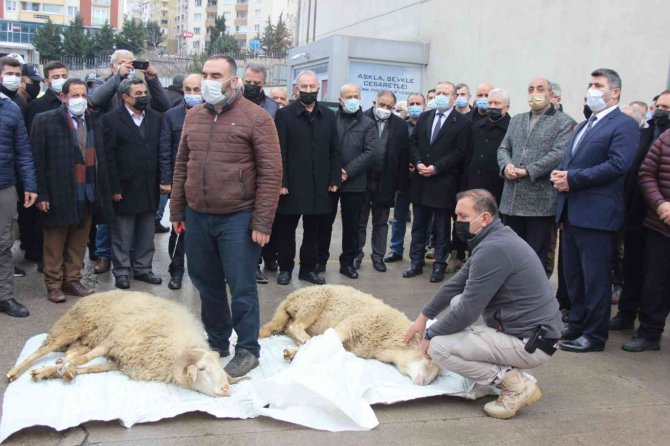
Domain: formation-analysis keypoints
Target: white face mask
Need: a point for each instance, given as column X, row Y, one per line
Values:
column 77, row 106
column 212, row 91
column 10, row 82
column 595, row 100
column 57, row 85
column 381, row 113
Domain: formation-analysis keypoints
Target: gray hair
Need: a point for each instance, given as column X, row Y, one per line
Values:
column 462, row 85
column 553, row 86
column 613, row 78
column 256, row 68
column 309, row 73
column 120, row 53
column 500, row 92
column 482, row 201
column 423, row 98
column 126, row 85
column 387, row 93
column 635, row 114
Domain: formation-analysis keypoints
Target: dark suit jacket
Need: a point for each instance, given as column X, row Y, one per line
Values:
column 50, row 101
column 133, row 160
column 446, row 153
column 54, row 145
column 597, row 171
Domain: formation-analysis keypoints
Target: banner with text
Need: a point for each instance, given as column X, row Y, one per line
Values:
column 373, row 77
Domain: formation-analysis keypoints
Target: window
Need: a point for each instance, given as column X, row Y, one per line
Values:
column 99, row 16
column 226, row 15
column 101, row 2
column 257, row 28
column 11, row 5
column 29, row 6
column 228, row 2
column 164, row 22
column 198, row 2
column 197, row 17
column 196, row 44
column 211, row 3
column 257, row 13
column 241, row 29
column 196, row 30
column 72, row 11
column 241, row 15
column 55, row 9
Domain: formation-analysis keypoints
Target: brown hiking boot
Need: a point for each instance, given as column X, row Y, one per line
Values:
column 517, row 392
column 101, row 266
column 55, row 295
column 75, row 288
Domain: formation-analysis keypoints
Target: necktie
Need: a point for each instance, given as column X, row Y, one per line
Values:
column 81, row 133
column 589, row 125
column 380, row 127
column 437, row 128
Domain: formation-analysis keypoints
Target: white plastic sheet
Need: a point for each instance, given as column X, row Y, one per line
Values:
column 324, row 388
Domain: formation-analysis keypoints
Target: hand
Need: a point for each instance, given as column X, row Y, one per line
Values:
column 425, row 343
column 418, row 327
column 332, row 188
column 43, row 206
column 560, row 180
column 179, row 226
column 412, row 168
column 150, row 73
column 29, row 199
column 429, row 171
column 117, row 197
column 344, row 175
column 260, row 238
column 125, row 68
column 510, row 172
column 283, row 191
column 663, row 212
column 165, row 188
column 421, row 167
column 520, row 173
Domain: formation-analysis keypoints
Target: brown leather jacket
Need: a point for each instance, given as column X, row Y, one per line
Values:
column 228, row 162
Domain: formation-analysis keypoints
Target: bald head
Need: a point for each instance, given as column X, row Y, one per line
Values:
column 350, row 91
column 279, row 95
column 484, row 89
column 538, row 85
column 192, row 84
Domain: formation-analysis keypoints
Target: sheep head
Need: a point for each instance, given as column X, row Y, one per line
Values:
column 200, row 369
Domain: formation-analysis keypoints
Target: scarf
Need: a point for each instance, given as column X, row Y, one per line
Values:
column 84, row 169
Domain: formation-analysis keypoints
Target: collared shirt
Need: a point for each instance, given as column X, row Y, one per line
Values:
column 136, row 118
column 599, row 117
column 444, row 118
column 75, row 119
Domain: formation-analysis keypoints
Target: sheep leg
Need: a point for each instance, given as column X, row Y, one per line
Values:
column 73, row 351
column 54, row 345
column 290, row 351
column 296, row 330
column 96, row 352
column 47, row 372
column 109, row 366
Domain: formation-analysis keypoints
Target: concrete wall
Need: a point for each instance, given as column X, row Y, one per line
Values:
column 507, row 43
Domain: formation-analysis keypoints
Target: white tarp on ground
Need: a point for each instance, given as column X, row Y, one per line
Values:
column 324, row 388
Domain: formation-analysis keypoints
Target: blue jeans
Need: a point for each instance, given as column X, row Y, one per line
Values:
column 103, row 242
column 399, row 224
column 219, row 247
column 162, row 201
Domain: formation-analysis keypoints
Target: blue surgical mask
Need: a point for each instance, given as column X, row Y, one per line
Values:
column 192, row 99
column 482, row 103
column 351, row 105
column 442, row 102
column 461, row 102
column 414, row 111
column 649, row 116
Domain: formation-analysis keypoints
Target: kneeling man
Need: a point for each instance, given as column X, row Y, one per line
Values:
column 504, row 282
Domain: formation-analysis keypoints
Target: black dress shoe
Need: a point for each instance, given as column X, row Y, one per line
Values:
column 349, row 271
column 570, row 334
column 413, row 271
column 271, row 265
column 160, row 229
column 620, row 323
column 320, row 268
column 357, row 262
column 122, row 282
column 12, row 308
column 284, row 277
column 438, row 272
column 149, row 278
column 393, row 257
column 312, row 277
column 379, row 265
column 581, row 345
column 175, row 282
column 638, row 344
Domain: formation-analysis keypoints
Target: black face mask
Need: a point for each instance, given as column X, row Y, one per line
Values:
column 33, row 90
column 308, row 98
column 252, row 91
column 661, row 119
column 462, row 231
column 587, row 111
column 494, row 113
column 141, row 102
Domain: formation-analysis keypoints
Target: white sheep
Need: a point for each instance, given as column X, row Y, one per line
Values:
column 145, row 337
column 367, row 327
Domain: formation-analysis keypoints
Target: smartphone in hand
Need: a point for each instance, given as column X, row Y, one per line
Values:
column 140, row 64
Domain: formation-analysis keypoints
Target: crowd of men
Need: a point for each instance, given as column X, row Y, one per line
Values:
column 93, row 162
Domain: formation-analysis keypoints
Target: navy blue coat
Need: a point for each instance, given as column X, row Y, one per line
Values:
column 15, row 153
column 597, row 172
column 173, row 122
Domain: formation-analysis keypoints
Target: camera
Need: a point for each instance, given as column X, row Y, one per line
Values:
column 140, row 64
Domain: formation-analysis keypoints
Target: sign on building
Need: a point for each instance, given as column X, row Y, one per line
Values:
column 373, row 77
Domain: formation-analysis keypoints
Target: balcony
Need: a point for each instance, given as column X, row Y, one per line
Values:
column 240, row 22
column 241, row 7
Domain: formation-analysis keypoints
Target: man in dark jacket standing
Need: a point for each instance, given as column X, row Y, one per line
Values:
column 15, row 157
column 358, row 139
column 311, row 164
column 254, row 81
column 437, row 149
column 73, row 184
column 175, row 92
column 10, row 71
column 173, row 122
column 388, row 172
column 132, row 135
column 55, row 75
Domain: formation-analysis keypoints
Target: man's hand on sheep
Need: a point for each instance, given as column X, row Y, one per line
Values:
column 260, row 238
column 425, row 343
column 416, row 328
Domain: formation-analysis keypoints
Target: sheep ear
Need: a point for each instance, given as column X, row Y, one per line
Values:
column 190, row 373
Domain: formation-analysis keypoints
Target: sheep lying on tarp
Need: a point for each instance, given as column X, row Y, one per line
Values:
column 145, row 337
column 367, row 327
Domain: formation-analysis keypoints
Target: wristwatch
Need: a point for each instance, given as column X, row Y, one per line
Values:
column 426, row 336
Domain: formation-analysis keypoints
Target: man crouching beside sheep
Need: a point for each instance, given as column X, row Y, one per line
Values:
column 505, row 282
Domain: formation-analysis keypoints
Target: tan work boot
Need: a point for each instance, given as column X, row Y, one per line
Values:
column 517, row 392
column 454, row 263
